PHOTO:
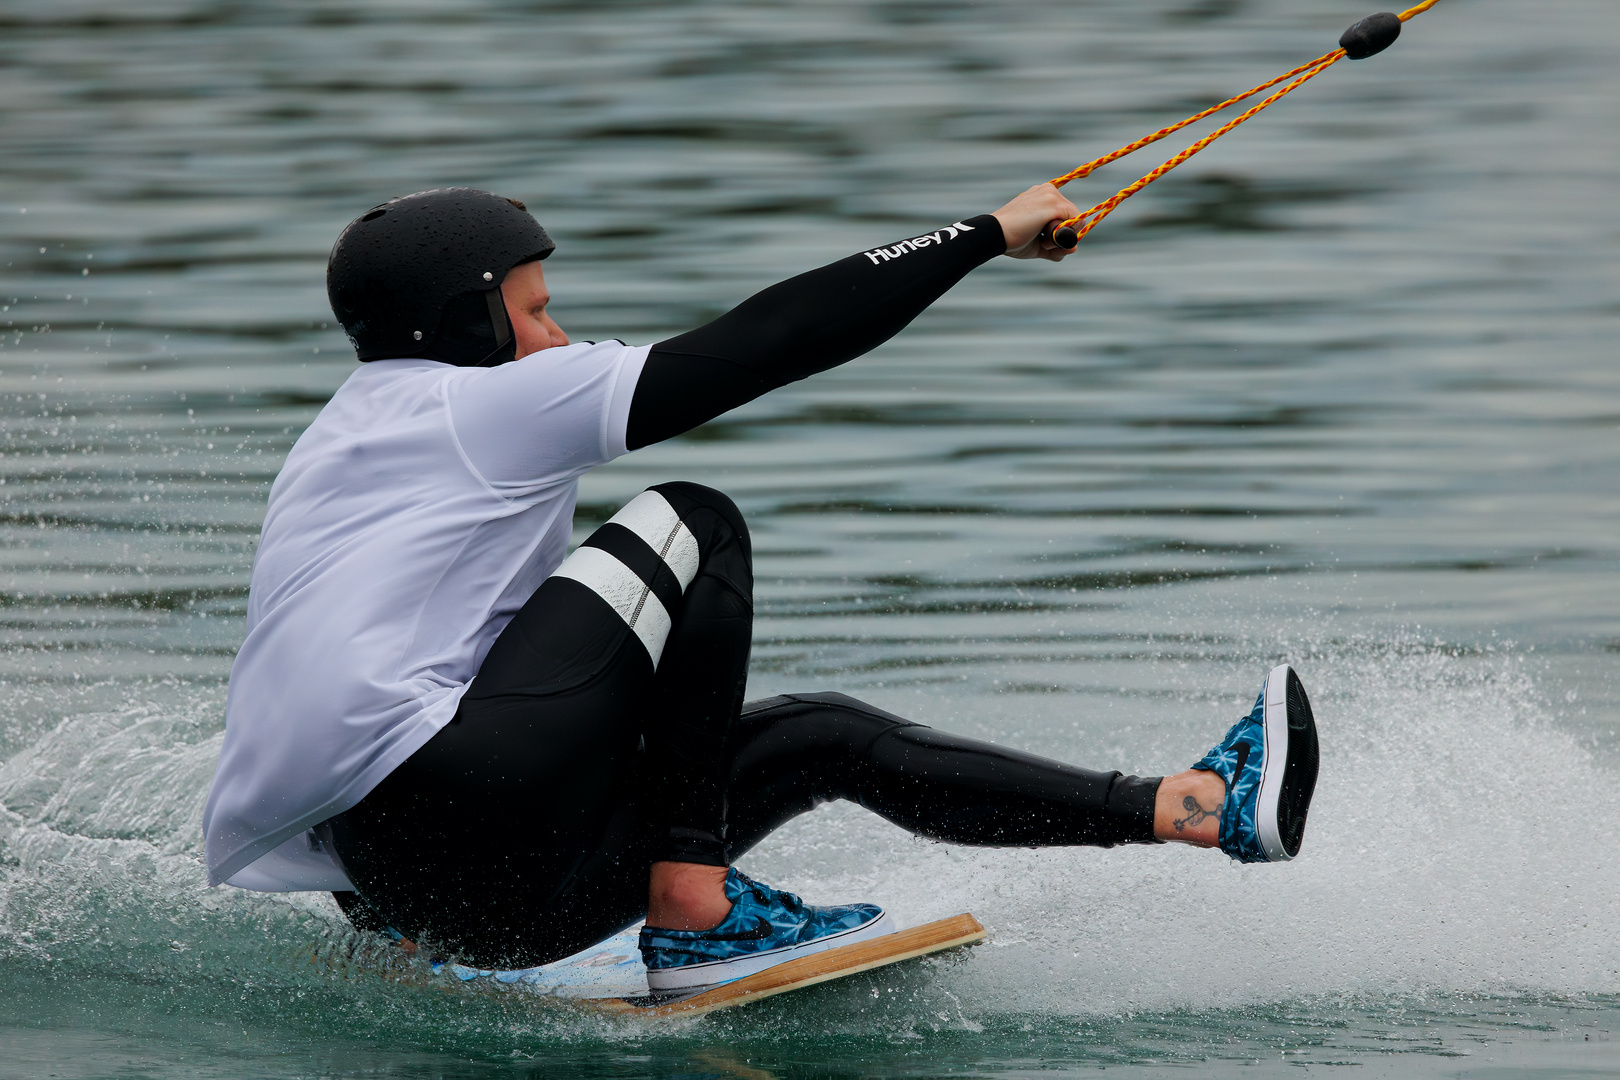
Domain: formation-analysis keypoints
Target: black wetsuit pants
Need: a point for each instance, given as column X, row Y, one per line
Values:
column 606, row 730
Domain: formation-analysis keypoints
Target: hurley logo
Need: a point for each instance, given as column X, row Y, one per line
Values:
column 878, row 255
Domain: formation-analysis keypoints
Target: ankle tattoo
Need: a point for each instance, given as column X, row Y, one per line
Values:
column 1195, row 813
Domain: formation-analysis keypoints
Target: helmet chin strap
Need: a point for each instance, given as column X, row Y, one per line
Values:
column 503, row 329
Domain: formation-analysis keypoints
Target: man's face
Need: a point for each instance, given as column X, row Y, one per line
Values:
column 526, row 296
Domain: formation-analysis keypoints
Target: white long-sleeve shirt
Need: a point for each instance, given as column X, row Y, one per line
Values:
column 412, row 519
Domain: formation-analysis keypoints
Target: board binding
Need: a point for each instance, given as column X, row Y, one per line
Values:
column 957, row 931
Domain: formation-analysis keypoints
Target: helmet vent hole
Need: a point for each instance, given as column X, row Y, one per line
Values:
column 374, row 215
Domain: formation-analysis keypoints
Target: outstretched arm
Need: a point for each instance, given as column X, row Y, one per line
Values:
column 826, row 317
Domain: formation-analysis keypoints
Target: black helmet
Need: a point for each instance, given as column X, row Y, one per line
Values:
column 421, row 276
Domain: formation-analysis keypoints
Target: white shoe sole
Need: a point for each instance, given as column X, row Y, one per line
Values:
column 1288, row 776
column 1275, row 727
column 697, row 977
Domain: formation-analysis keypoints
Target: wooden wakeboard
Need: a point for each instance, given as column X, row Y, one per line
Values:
column 806, row 971
column 609, row 975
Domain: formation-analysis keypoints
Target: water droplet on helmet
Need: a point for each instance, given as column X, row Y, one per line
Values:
column 488, row 276
column 417, row 334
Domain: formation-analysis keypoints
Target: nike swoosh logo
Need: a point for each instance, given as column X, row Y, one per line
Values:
column 1242, row 760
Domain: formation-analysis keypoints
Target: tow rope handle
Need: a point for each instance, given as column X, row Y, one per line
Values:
column 1368, row 37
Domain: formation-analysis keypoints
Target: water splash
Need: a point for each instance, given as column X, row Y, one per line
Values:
column 1450, row 850
column 1443, row 858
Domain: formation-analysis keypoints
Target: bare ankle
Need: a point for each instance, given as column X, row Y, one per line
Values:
column 686, row 896
column 1188, row 808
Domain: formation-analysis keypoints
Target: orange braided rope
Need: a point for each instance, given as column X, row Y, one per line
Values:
column 1106, row 207
column 1420, row 9
column 1300, row 75
column 1091, row 166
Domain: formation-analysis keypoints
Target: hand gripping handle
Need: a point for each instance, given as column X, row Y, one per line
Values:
column 1060, row 234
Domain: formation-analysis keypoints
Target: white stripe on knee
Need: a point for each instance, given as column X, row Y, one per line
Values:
column 625, row 593
column 650, row 517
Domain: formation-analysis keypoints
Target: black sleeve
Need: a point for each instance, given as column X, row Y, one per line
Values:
column 804, row 325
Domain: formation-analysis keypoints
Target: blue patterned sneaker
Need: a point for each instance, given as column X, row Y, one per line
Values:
column 1269, row 761
column 765, row 927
